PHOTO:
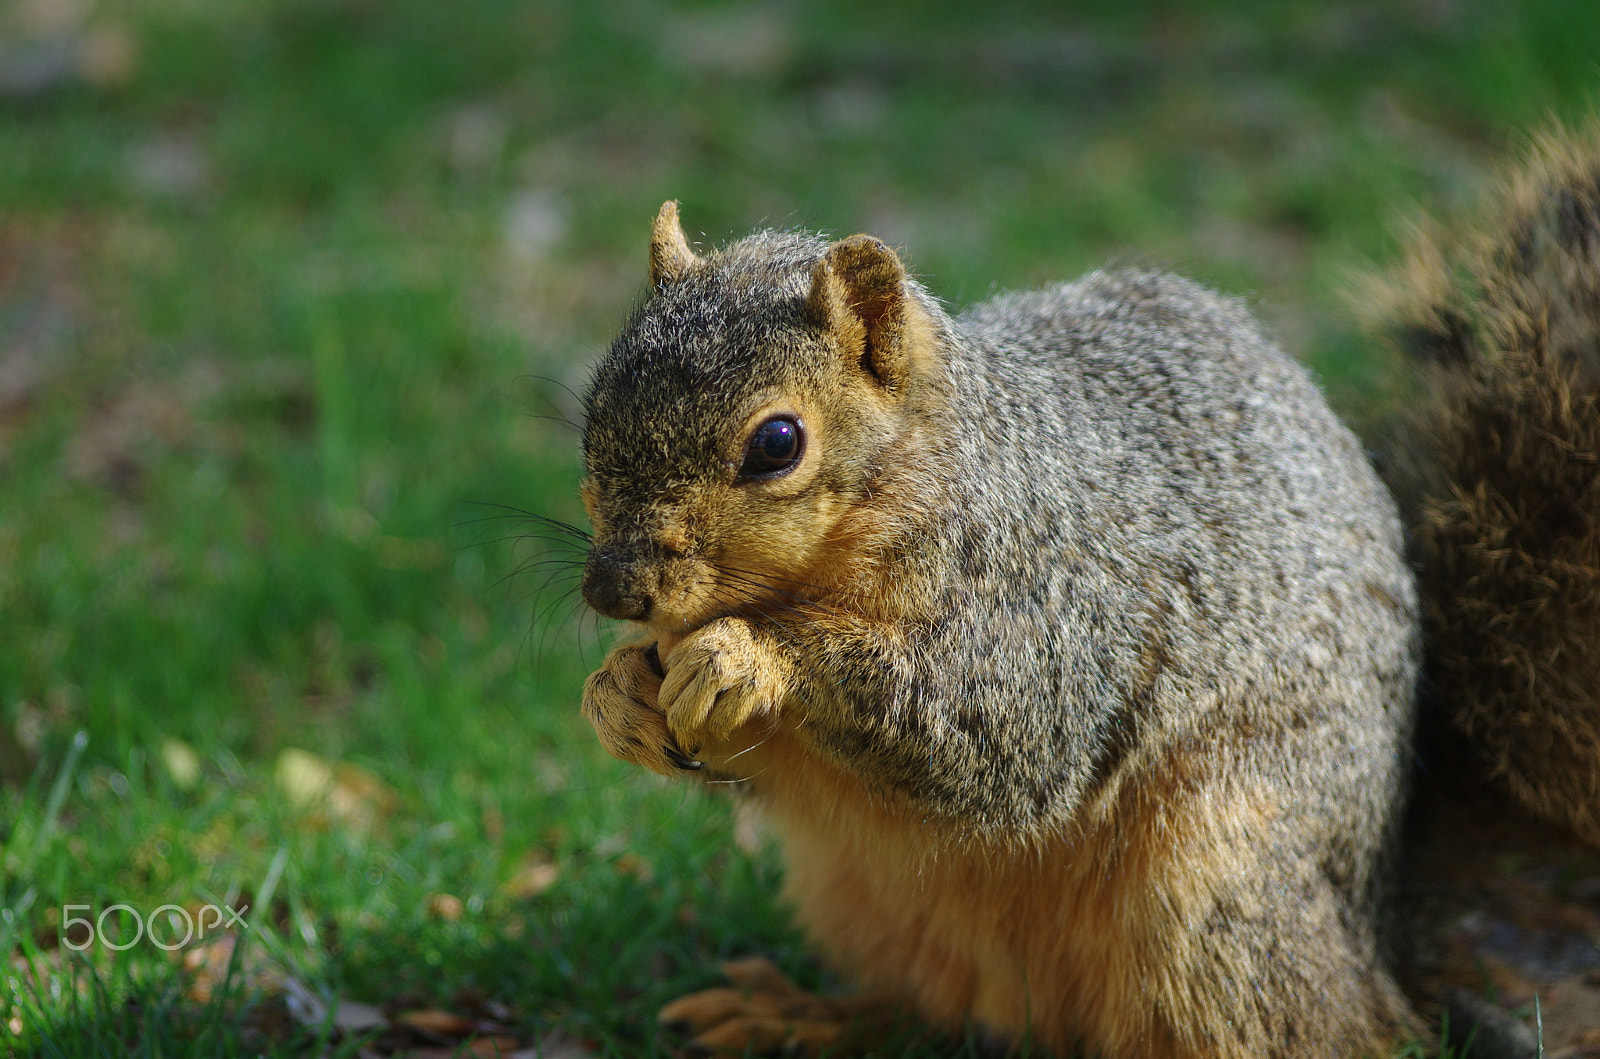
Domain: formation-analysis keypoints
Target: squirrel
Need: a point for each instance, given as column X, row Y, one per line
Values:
column 1070, row 646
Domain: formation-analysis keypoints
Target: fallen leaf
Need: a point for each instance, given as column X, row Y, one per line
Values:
column 208, row 966
column 350, row 794
column 182, row 763
column 304, row 777
column 634, row 865
column 533, row 876
column 441, row 1023
column 447, row 907
column 309, row 1009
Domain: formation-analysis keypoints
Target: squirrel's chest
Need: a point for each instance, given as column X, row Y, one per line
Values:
column 1053, row 935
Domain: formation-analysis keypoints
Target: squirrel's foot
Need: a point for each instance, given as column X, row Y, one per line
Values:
column 621, row 700
column 763, row 1013
column 719, row 677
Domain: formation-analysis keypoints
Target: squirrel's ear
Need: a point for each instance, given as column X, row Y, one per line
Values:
column 858, row 291
column 671, row 258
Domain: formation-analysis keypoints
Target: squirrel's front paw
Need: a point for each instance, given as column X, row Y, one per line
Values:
column 621, row 700
column 719, row 677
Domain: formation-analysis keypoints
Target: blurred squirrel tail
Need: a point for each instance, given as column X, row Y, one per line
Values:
column 1497, row 469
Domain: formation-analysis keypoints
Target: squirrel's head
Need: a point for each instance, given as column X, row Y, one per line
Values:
column 740, row 430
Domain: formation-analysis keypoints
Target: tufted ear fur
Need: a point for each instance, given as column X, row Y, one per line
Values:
column 671, row 257
column 858, row 292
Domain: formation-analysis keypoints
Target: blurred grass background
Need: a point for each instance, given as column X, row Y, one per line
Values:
column 294, row 296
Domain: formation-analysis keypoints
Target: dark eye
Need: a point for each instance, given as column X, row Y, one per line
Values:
column 774, row 448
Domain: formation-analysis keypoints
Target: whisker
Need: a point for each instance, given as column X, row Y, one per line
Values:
column 736, row 779
column 539, row 393
column 544, row 613
column 537, row 561
column 766, row 737
column 562, row 567
column 762, row 582
column 517, row 513
column 555, row 382
column 779, row 598
column 543, row 619
column 571, row 549
column 732, row 580
column 563, row 420
column 769, row 578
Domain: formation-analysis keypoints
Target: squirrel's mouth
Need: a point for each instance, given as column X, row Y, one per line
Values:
column 669, row 628
column 667, row 640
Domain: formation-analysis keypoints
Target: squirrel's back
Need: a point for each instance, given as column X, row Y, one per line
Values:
column 1137, row 448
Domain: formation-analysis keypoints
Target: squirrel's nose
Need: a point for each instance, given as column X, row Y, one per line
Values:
column 614, row 583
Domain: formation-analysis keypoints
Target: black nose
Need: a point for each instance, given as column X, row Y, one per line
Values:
column 616, row 583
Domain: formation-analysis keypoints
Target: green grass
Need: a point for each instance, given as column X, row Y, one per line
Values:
column 290, row 317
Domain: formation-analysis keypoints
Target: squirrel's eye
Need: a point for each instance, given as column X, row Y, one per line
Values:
column 774, row 448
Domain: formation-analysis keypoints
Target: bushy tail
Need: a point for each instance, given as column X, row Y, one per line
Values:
column 1498, row 474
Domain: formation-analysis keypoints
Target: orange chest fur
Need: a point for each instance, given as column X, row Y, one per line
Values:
column 1057, row 939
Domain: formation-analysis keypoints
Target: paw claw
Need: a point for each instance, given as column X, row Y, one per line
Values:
column 682, row 760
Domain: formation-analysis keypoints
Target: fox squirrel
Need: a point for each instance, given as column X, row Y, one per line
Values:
column 1070, row 645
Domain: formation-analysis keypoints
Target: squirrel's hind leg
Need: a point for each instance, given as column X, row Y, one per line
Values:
column 764, row 1013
